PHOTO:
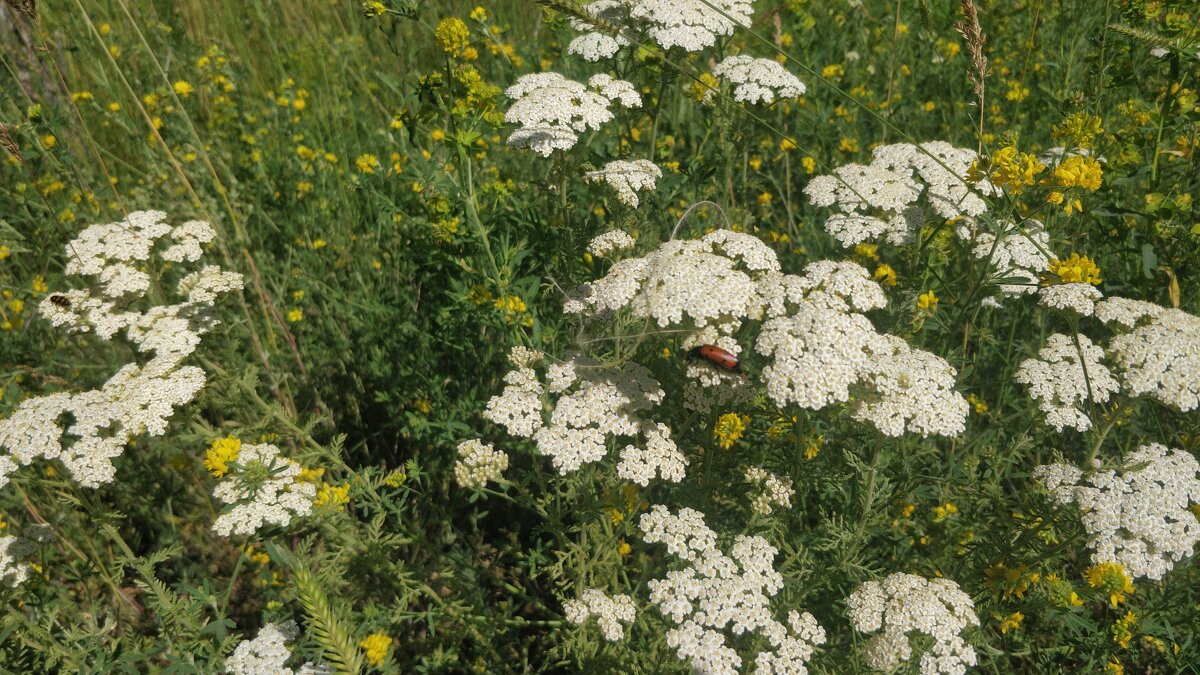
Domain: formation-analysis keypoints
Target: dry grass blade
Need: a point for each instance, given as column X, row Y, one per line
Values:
column 972, row 33
column 9, row 144
column 26, row 7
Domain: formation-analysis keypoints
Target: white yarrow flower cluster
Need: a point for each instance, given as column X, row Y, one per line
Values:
column 903, row 604
column 883, row 200
column 613, row 241
column 910, row 390
column 594, row 45
column 690, row 24
column 267, row 653
column 1160, row 356
column 139, row 398
column 1078, row 298
column 588, row 404
column 772, row 490
column 822, row 349
column 13, row 550
column 1138, row 517
column 716, row 593
column 706, row 287
column 627, row 178
column 758, row 80
column 1016, row 254
column 262, row 488
column 610, row 613
column 1064, row 377
column 478, row 463
column 552, row 110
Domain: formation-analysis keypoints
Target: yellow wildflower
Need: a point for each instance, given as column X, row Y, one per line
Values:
column 220, row 454
column 702, row 87
column 1077, row 171
column 479, row 14
column 1074, row 270
column 295, row 315
column 49, row 141
column 375, row 646
column 334, row 496
column 1123, row 629
column 866, row 250
column 452, row 36
column 1011, row 169
column 1011, row 622
column 183, row 88
column 367, row 163
column 729, row 429
column 1109, row 578
column 927, row 301
column 885, row 275
column 944, row 511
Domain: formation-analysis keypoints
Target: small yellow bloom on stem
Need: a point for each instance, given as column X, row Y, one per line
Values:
column 1109, row 578
column 375, row 646
column 1011, row 622
column 1076, row 269
column 927, row 301
column 729, row 429
column 219, row 455
column 885, row 275
column 452, row 36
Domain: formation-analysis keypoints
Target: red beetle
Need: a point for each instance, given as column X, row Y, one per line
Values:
column 717, row 356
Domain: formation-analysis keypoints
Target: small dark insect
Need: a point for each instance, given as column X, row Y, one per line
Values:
column 60, row 301
column 717, row 356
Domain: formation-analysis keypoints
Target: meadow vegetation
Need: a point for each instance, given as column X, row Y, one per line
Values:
column 398, row 337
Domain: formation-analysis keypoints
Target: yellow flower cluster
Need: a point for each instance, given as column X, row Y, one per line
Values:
column 1077, row 171
column 453, row 36
column 333, row 496
column 1010, row 169
column 1074, row 270
column 375, row 647
column 729, row 429
column 1109, row 578
column 1080, row 129
column 220, row 454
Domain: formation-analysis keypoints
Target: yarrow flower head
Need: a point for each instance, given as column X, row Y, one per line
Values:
column 267, row 653
column 627, row 178
column 1138, row 516
column 1064, row 377
column 610, row 613
column 263, row 488
column 479, row 463
column 140, row 397
column 903, row 604
column 595, row 45
column 1155, row 352
column 613, row 241
column 13, row 552
column 1016, row 253
column 590, row 404
column 718, row 593
column 552, row 110
column 758, row 80
column 882, row 200
column 772, row 490
column 690, row 24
